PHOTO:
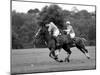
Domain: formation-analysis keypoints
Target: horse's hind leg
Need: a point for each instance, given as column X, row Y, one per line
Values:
column 84, row 50
column 86, row 53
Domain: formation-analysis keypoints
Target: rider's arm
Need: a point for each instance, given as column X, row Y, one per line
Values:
column 67, row 30
column 49, row 29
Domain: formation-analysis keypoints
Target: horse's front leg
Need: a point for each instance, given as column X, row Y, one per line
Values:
column 84, row 51
column 67, row 58
column 54, row 56
column 68, row 54
column 57, row 52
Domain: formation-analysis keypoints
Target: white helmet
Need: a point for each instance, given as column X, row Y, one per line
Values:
column 67, row 22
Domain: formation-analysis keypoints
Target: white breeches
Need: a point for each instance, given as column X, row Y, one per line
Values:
column 56, row 33
column 72, row 35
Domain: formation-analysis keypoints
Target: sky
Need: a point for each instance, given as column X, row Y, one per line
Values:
column 25, row 6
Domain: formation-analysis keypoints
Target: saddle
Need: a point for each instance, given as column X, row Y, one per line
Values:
column 63, row 38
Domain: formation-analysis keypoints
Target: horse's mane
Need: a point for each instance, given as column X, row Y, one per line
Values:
column 45, row 33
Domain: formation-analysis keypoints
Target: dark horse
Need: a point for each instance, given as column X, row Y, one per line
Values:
column 66, row 45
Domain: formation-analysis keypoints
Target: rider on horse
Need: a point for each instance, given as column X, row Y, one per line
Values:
column 70, row 31
column 53, row 29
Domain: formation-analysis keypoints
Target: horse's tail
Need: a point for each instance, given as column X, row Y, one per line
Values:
column 84, row 40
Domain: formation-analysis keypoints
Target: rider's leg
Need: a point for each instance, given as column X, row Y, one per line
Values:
column 55, row 38
column 55, row 35
column 72, row 36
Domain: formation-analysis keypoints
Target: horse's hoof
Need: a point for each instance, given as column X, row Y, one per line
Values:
column 67, row 60
column 61, row 61
column 88, row 57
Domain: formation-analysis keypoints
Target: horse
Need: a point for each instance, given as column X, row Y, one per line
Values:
column 65, row 45
column 68, row 43
column 79, row 44
column 50, row 42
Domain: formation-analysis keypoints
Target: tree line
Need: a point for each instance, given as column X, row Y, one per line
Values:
column 25, row 25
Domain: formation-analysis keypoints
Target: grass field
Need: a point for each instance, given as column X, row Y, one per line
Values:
column 38, row 60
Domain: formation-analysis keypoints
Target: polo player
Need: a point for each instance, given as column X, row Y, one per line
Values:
column 69, row 30
column 53, row 28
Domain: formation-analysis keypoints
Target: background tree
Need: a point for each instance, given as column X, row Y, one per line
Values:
column 52, row 13
column 33, row 11
column 25, row 25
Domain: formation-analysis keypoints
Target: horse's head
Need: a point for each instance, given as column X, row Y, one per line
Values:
column 43, row 32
